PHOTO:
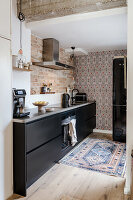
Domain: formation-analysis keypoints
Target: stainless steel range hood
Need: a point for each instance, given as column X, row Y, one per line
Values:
column 51, row 56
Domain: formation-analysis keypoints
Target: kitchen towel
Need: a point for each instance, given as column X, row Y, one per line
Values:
column 72, row 132
column 66, row 138
column 69, row 130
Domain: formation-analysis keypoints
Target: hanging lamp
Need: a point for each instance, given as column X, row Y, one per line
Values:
column 21, row 18
column 72, row 55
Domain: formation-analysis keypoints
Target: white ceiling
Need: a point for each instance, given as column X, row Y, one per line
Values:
column 102, row 30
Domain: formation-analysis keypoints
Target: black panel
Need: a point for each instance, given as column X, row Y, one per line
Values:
column 92, row 123
column 119, row 125
column 87, row 127
column 67, row 114
column 19, row 159
column 86, row 121
column 119, row 100
column 42, row 131
column 86, row 112
column 40, row 160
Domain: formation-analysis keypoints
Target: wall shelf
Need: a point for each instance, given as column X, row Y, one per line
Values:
column 22, row 69
column 47, row 92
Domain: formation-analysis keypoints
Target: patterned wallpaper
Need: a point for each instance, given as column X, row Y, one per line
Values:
column 93, row 75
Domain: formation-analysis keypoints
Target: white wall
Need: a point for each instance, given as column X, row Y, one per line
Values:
column 6, row 160
column 26, row 35
column 21, row 80
column 129, row 95
column 51, row 98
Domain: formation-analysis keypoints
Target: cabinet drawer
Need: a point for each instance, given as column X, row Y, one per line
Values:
column 40, row 160
column 89, row 125
column 84, row 128
column 86, row 112
column 92, row 123
column 42, row 131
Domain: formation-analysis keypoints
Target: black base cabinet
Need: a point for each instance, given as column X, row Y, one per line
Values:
column 85, row 120
column 42, row 131
column 43, row 158
column 37, row 145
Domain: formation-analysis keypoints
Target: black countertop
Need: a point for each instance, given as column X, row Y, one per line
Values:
column 57, row 109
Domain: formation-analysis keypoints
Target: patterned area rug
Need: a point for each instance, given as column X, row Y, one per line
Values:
column 99, row 155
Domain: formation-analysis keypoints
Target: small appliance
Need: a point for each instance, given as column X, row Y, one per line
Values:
column 65, row 100
column 19, row 103
column 80, row 98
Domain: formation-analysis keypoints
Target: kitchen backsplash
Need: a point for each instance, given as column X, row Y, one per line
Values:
column 93, row 75
column 60, row 79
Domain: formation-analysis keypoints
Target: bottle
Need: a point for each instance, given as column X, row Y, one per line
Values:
column 45, row 88
column 50, row 85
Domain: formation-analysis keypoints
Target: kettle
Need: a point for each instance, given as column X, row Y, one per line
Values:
column 65, row 100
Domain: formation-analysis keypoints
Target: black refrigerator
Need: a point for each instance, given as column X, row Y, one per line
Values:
column 119, row 99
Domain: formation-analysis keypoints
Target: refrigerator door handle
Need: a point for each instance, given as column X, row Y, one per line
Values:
column 125, row 72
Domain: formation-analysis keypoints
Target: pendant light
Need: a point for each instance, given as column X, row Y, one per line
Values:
column 72, row 55
column 21, row 18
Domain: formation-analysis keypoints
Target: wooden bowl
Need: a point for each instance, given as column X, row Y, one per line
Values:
column 40, row 106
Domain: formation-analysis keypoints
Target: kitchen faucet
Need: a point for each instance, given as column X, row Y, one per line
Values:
column 73, row 96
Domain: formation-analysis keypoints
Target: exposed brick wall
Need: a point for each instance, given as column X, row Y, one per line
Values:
column 36, row 48
column 60, row 79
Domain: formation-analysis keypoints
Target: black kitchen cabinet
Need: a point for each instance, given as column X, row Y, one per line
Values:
column 86, row 112
column 42, row 131
column 43, row 158
column 86, row 121
column 37, row 144
column 30, row 159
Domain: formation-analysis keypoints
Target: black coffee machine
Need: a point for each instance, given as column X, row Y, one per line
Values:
column 65, row 100
column 19, row 103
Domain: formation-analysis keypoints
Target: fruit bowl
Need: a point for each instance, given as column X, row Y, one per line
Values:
column 40, row 105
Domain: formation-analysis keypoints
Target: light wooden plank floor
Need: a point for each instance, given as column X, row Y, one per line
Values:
column 70, row 183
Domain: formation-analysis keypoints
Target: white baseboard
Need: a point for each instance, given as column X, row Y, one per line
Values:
column 102, row 131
